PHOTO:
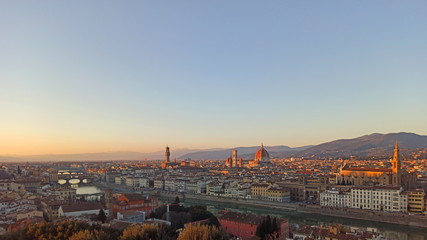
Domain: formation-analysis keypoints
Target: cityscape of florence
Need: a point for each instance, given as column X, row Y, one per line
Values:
column 213, row 120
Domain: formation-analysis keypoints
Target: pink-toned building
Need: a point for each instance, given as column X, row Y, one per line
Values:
column 244, row 225
column 134, row 202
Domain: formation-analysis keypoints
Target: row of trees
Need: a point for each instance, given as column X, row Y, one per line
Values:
column 148, row 231
column 268, row 229
column 77, row 230
column 63, row 230
column 160, row 232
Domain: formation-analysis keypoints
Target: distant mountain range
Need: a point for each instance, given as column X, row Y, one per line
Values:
column 373, row 145
column 369, row 145
column 243, row 152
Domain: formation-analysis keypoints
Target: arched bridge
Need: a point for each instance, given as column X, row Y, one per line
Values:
column 75, row 178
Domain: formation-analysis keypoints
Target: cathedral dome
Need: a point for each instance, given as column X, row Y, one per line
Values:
column 262, row 155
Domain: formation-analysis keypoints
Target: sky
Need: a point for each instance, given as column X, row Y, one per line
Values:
column 102, row 76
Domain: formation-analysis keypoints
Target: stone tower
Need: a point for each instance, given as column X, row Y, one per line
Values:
column 167, row 154
column 240, row 162
column 109, row 202
column 396, row 166
column 234, row 158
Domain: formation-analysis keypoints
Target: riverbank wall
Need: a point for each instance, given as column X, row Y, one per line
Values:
column 253, row 203
column 366, row 215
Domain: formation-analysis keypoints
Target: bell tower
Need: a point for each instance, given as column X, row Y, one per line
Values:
column 234, row 158
column 109, row 202
column 167, row 154
column 396, row 165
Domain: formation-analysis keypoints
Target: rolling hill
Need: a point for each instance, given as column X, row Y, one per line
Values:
column 375, row 144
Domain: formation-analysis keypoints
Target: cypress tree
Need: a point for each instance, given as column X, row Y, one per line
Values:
column 269, row 225
column 275, row 225
column 101, row 216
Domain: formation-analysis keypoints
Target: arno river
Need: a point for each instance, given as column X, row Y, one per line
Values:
column 390, row 231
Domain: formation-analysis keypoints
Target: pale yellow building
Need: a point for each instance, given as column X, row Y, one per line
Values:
column 12, row 186
column 29, row 215
column 259, row 189
column 64, row 193
column 264, row 191
column 416, row 200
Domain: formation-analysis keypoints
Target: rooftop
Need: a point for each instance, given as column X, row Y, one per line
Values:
column 81, row 207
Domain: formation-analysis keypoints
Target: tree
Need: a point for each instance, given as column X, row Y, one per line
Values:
column 146, row 232
column 201, row 213
column 158, row 212
column 101, row 216
column 63, row 230
column 58, row 230
column 268, row 228
column 269, row 225
column 178, row 219
column 90, row 235
column 275, row 225
column 205, row 232
column 176, row 200
column 260, row 230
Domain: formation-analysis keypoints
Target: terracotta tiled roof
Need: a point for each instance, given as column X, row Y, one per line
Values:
column 134, row 196
column 377, row 187
column 305, row 230
column 367, row 169
column 242, row 217
column 260, row 185
column 261, row 153
column 81, row 207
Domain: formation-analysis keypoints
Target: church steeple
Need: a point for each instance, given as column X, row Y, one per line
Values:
column 396, row 178
column 396, row 160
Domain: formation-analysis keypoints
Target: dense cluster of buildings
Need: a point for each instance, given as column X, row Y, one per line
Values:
column 261, row 159
column 25, row 200
column 364, row 176
column 366, row 185
column 381, row 189
column 336, row 231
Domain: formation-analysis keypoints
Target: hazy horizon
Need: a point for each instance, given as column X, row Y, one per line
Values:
column 89, row 77
column 189, row 149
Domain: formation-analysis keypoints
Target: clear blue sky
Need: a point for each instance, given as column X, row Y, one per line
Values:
column 90, row 76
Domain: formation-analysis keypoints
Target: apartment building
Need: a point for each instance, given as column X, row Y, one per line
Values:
column 416, row 200
column 265, row 191
column 335, row 198
column 159, row 184
column 381, row 198
column 64, row 193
